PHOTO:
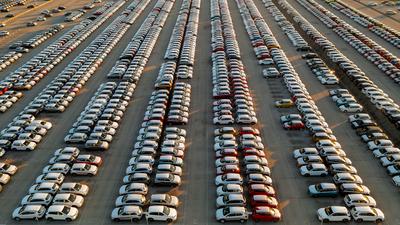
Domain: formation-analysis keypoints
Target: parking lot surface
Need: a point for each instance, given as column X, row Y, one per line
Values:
column 196, row 190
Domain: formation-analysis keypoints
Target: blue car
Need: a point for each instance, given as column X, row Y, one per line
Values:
column 323, row 190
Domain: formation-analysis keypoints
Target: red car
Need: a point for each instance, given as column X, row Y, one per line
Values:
column 89, row 159
column 226, row 152
column 230, row 168
column 293, row 125
column 265, row 213
column 263, row 200
column 261, row 189
column 249, row 130
column 253, row 151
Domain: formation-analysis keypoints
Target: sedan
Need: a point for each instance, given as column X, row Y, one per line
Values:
column 333, row 214
column 323, row 190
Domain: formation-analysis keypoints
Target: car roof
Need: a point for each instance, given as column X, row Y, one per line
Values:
column 56, row 208
column 340, row 209
column 156, row 208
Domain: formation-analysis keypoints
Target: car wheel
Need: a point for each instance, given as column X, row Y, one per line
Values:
column 378, row 221
column 359, row 220
column 345, row 220
column 222, row 221
column 17, row 218
column 307, row 175
column 151, row 219
column 169, row 220
column 323, row 175
column 68, row 219
column 50, row 219
column 345, row 111
column 116, row 220
column 135, row 220
column 325, row 220
column 242, row 220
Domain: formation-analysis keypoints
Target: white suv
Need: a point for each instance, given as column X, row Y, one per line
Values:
column 61, row 212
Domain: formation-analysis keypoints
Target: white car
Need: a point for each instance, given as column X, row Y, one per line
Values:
column 68, row 199
column 30, row 137
column 83, row 169
column 161, row 213
column 75, row 138
column 74, row 188
column 229, row 178
column 131, row 199
column 366, row 213
column 42, row 124
column 45, row 187
column 67, row 150
column 352, row 108
column 396, row 180
column 57, row 178
column 129, row 213
column 333, row 214
column 229, row 189
column 29, row 212
column 8, row 168
column 37, row 199
column 233, row 213
column 23, row 145
column 4, row 178
column 246, row 119
column 314, row 169
column 340, row 178
column 57, row 168
column 379, row 144
column 298, row 153
column 352, row 200
column 62, row 212
column 223, row 120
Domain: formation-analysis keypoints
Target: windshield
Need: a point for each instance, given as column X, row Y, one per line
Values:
column 77, row 186
column 166, row 210
column 66, row 210
column 328, row 211
column 226, row 211
column 72, row 198
column 6, row 166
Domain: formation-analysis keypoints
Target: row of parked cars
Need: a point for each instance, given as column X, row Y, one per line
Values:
column 355, row 74
column 24, row 133
column 317, row 66
column 378, row 143
column 25, row 77
column 379, row 56
column 98, row 123
column 6, row 171
column 182, row 43
column 8, row 98
column 7, row 59
column 240, row 159
column 387, row 33
column 235, row 161
column 36, row 40
column 324, row 74
column 327, row 157
column 345, row 101
column 134, row 58
column 53, row 198
column 233, row 102
column 157, row 156
column 7, row 4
